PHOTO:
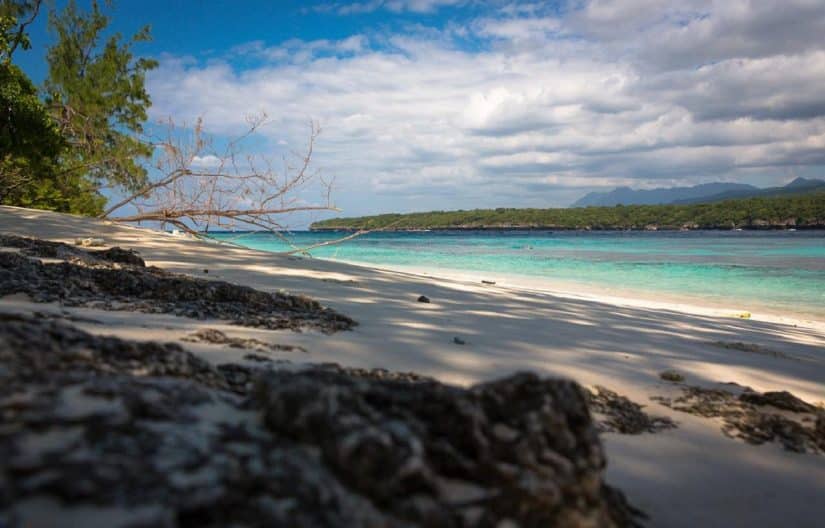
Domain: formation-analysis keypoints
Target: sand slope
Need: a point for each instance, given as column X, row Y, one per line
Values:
column 689, row 476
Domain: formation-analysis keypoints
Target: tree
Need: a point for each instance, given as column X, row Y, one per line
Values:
column 92, row 136
column 96, row 94
column 25, row 133
column 15, row 17
column 30, row 143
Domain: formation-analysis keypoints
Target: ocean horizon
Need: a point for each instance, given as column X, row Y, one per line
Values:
column 777, row 271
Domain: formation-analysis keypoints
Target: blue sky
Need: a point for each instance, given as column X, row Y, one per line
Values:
column 208, row 28
column 447, row 104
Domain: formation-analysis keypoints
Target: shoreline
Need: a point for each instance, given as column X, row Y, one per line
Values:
column 665, row 289
column 669, row 229
column 690, row 475
column 577, row 290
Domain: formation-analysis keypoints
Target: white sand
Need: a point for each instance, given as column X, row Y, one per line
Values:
column 690, row 476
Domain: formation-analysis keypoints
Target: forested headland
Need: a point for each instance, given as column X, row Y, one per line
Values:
column 805, row 211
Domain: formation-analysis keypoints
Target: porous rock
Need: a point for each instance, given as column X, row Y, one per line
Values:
column 757, row 418
column 103, row 422
column 216, row 337
column 779, row 399
column 672, row 376
column 618, row 414
column 114, row 279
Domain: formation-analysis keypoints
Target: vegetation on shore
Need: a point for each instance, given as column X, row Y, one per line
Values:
column 80, row 142
column 799, row 211
column 62, row 143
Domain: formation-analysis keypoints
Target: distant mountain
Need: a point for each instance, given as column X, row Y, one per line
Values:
column 804, row 183
column 798, row 186
column 628, row 196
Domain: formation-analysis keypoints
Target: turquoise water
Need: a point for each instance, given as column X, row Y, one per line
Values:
column 780, row 271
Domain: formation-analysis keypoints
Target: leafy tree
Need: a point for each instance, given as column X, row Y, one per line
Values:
column 57, row 155
column 96, row 94
column 30, row 143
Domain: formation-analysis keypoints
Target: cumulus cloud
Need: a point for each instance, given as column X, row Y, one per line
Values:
column 533, row 107
column 209, row 161
column 396, row 6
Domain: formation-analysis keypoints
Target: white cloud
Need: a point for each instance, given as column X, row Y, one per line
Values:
column 210, row 161
column 419, row 6
column 396, row 6
column 546, row 107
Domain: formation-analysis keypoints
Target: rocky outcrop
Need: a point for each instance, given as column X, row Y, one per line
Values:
column 165, row 439
column 757, row 418
column 216, row 337
column 617, row 414
column 117, row 279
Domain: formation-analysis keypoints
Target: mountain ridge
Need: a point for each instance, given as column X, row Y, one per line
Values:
column 661, row 195
column 703, row 193
column 797, row 186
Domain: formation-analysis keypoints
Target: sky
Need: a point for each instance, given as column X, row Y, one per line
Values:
column 459, row 104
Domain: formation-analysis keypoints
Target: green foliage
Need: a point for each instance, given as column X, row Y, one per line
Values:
column 12, row 32
column 30, row 143
column 807, row 210
column 96, row 93
column 57, row 155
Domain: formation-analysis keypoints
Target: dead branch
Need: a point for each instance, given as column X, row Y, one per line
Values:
column 196, row 185
column 358, row 233
column 327, row 243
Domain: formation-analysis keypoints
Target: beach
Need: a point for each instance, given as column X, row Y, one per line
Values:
column 769, row 272
column 471, row 331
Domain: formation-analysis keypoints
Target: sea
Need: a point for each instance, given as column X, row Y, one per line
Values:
column 776, row 271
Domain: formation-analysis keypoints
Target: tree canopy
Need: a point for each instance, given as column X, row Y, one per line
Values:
column 96, row 94
column 59, row 146
column 30, row 142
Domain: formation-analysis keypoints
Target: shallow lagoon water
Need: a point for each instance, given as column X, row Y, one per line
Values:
column 783, row 271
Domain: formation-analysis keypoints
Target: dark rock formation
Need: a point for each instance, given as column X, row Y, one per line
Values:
column 97, row 422
column 757, row 418
column 119, row 255
column 617, row 414
column 92, row 279
column 753, row 348
column 216, row 337
column 47, row 249
column 672, row 376
column 780, row 399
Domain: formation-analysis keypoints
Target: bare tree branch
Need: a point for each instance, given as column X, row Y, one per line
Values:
column 196, row 187
column 358, row 233
column 327, row 243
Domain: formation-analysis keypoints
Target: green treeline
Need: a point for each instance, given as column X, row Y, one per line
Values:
column 62, row 143
column 802, row 211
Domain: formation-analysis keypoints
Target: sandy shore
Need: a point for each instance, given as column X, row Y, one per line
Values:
column 616, row 295
column 688, row 476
